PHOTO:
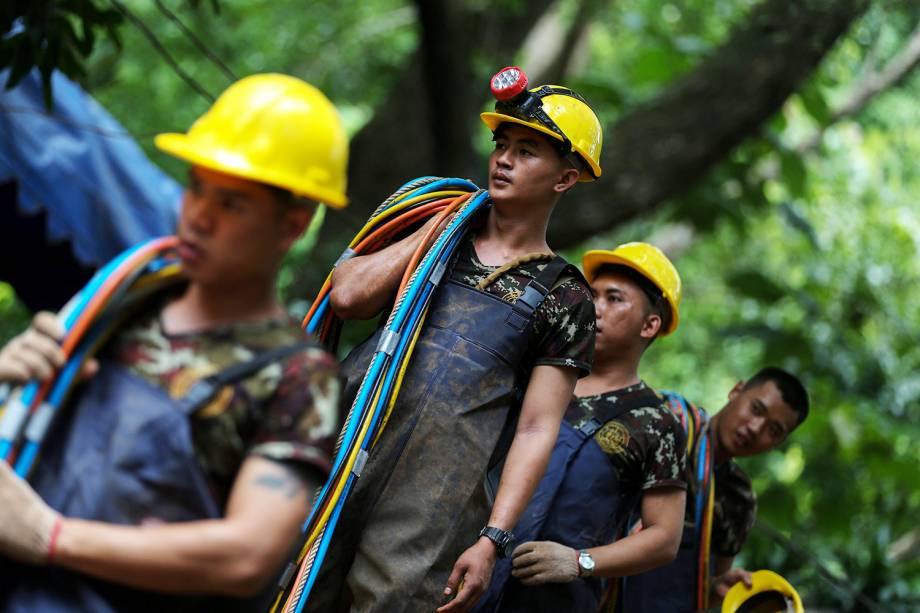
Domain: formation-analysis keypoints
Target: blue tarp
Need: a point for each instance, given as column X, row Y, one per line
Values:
column 80, row 166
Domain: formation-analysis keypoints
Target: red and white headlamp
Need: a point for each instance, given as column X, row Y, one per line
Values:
column 508, row 83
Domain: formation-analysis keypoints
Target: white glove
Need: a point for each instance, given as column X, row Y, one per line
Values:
column 539, row 562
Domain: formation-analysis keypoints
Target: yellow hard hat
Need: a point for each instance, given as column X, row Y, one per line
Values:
column 647, row 260
column 561, row 106
column 274, row 129
column 769, row 593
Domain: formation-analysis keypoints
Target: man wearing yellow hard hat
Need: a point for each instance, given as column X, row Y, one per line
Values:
column 170, row 520
column 760, row 414
column 513, row 331
column 619, row 450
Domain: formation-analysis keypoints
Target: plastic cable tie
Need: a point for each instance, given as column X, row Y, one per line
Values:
column 287, row 575
column 346, row 255
column 13, row 418
column 438, row 273
column 388, row 341
column 360, row 461
column 39, row 423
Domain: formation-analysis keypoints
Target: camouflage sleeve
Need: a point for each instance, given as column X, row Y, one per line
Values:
column 564, row 327
column 301, row 421
column 735, row 510
column 665, row 460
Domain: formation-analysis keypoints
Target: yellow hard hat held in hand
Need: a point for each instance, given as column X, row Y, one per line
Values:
column 271, row 128
column 556, row 111
column 769, row 593
column 649, row 261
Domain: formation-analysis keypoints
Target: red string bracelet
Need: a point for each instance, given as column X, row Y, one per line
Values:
column 52, row 540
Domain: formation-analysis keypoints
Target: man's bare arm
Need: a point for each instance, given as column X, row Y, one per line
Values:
column 656, row 544
column 235, row 555
column 548, row 394
column 539, row 562
column 364, row 285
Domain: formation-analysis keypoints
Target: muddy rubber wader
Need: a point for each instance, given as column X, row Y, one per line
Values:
column 421, row 500
column 578, row 503
column 124, row 455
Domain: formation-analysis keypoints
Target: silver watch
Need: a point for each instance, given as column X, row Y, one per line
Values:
column 585, row 564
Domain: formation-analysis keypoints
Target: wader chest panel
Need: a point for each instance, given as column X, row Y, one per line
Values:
column 420, row 501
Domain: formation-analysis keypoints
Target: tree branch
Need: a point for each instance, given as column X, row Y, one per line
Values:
column 661, row 149
column 871, row 85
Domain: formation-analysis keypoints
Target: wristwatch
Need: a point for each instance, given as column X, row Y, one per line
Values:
column 585, row 564
column 502, row 539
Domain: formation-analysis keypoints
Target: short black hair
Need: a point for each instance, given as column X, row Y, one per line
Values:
column 657, row 303
column 790, row 388
column 286, row 197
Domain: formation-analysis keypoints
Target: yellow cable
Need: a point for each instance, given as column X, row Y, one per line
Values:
column 707, row 540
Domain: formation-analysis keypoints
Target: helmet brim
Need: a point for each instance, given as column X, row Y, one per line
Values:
column 593, row 260
column 213, row 158
column 494, row 120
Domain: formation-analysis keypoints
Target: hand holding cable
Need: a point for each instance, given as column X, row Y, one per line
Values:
column 28, row 526
column 34, row 354
column 539, row 562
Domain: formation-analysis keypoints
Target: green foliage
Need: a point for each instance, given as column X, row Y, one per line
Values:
column 807, row 259
column 13, row 316
column 810, row 261
column 52, row 35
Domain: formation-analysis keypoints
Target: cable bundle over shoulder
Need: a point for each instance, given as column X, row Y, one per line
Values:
column 88, row 319
column 412, row 204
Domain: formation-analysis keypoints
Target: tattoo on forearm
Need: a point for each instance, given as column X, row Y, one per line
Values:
column 289, row 485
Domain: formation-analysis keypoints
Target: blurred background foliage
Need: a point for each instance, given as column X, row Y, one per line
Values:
column 798, row 248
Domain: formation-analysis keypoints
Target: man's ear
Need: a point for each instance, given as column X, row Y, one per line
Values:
column 294, row 222
column 651, row 326
column 737, row 389
column 567, row 179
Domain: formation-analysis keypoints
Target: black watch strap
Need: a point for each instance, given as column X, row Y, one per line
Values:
column 502, row 538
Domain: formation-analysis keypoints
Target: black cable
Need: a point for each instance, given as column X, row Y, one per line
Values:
column 199, row 44
column 151, row 37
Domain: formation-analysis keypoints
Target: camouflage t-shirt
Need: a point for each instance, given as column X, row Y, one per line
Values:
column 287, row 411
column 563, row 324
column 735, row 509
column 645, row 445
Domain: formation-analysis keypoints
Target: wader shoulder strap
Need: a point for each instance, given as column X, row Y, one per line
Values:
column 205, row 390
column 537, row 290
column 519, row 317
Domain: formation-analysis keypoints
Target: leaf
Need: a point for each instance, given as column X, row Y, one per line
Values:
column 795, row 176
column 755, row 284
column 816, row 105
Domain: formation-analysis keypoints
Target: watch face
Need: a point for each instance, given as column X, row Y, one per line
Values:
column 586, row 561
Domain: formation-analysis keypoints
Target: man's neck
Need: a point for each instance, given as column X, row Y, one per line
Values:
column 608, row 375
column 719, row 455
column 511, row 231
column 203, row 307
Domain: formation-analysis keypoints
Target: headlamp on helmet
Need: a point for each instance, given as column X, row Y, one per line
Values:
column 509, row 86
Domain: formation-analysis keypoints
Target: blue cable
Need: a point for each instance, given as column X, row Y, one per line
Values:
column 62, row 385
column 407, row 316
column 14, row 421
